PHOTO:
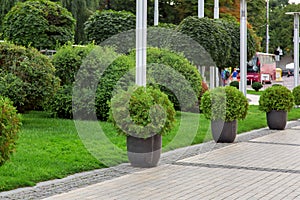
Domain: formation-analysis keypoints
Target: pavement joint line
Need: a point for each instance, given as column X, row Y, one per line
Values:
column 236, row 167
column 275, row 143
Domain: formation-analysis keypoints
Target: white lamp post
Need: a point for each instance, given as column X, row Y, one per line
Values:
column 243, row 46
column 156, row 12
column 296, row 46
column 267, row 28
column 200, row 8
column 141, row 42
column 216, row 9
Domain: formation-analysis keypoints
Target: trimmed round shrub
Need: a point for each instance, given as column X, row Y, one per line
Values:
column 256, row 86
column 296, row 94
column 276, row 97
column 41, row 24
column 142, row 112
column 10, row 123
column 235, row 84
column 27, row 77
column 209, row 34
column 107, row 23
column 224, row 103
column 68, row 60
column 162, row 57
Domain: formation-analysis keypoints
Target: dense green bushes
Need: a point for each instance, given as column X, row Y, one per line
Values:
column 41, row 24
column 9, row 126
column 68, row 60
column 105, row 24
column 219, row 37
column 27, row 77
column 296, row 94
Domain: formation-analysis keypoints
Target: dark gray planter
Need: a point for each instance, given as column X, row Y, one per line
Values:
column 276, row 119
column 144, row 152
column 224, row 132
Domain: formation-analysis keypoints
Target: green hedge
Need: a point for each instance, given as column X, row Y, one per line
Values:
column 105, row 24
column 27, row 77
column 68, row 60
column 10, row 123
column 41, row 24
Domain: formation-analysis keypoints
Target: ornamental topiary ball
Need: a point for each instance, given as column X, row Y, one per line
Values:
column 10, row 123
column 41, row 24
column 277, row 97
column 256, row 86
column 142, row 112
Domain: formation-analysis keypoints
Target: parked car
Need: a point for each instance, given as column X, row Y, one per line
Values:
column 288, row 72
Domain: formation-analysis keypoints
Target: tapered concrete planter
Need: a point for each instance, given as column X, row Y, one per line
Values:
column 144, row 152
column 276, row 119
column 224, row 132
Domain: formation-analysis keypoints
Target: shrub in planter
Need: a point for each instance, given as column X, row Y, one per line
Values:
column 27, row 77
column 296, row 94
column 276, row 101
column 235, row 84
column 256, row 86
column 10, row 123
column 224, row 105
column 143, row 114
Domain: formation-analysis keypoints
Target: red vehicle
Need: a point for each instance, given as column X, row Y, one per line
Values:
column 262, row 68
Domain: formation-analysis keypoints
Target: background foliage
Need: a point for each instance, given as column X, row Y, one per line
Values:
column 40, row 24
column 27, row 77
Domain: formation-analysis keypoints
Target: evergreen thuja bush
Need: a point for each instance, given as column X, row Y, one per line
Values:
column 296, row 94
column 10, row 123
column 149, row 112
column 256, row 86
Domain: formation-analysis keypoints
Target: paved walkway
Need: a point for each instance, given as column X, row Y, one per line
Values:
column 267, row 167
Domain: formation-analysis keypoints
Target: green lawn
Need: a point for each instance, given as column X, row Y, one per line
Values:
column 50, row 148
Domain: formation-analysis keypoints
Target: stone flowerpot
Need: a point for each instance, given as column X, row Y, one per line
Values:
column 224, row 132
column 276, row 119
column 142, row 152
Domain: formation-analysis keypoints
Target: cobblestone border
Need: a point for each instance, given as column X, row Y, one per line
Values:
column 79, row 180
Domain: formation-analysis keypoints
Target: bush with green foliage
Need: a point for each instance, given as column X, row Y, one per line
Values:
column 276, row 97
column 220, row 38
column 27, row 77
column 142, row 112
column 121, row 66
column 212, row 36
column 296, row 94
column 41, row 24
column 10, row 123
column 224, row 103
column 87, row 65
column 68, row 60
column 256, row 86
column 235, row 84
column 107, row 23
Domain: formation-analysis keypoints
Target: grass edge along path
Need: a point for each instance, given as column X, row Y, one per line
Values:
column 50, row 148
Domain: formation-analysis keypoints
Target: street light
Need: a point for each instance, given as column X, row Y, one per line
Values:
column 243, row 46
column 156, row 12
column 141, row 42
column 296, row 46
column 200, row 8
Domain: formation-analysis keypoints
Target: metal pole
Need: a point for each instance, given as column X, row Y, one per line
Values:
column 267, row 29
column 296, row 49
column 212, row 77
column 200, row 8
column 243, row 45
column 141, row 42
column 216, row 9
column 156, row 12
